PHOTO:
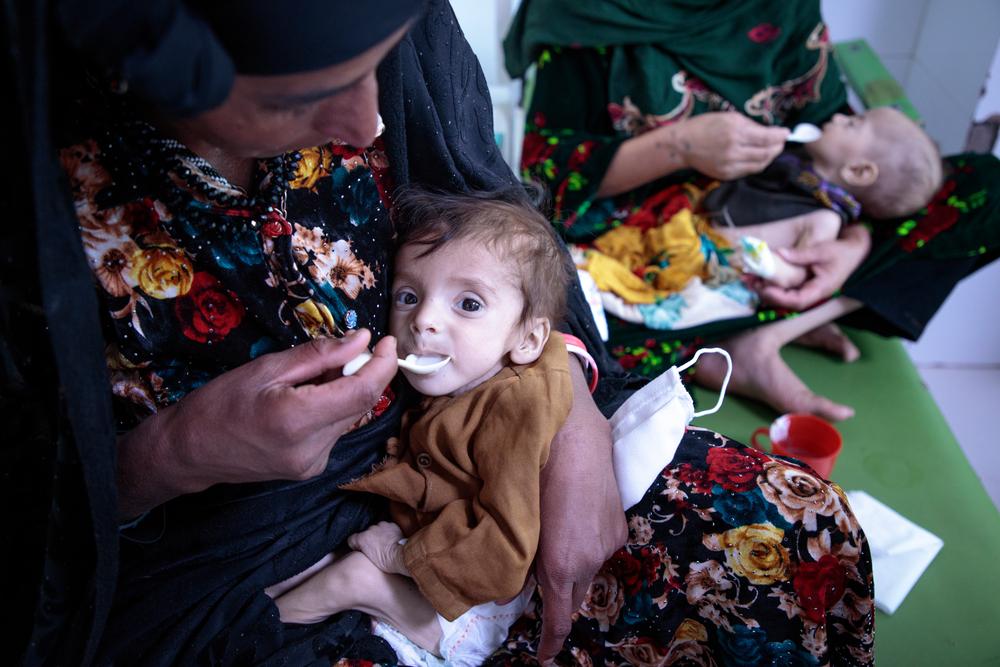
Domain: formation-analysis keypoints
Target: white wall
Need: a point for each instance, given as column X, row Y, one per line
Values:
column 485, row 23
column 940, row 51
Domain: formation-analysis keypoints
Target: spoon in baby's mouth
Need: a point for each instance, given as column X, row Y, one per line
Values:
column 420, row 365
column 804, row 133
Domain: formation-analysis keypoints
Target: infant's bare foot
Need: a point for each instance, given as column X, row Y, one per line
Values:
column 760, row 373
column 831, row 338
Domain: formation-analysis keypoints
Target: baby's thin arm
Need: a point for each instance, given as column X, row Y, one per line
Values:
column 797, row 231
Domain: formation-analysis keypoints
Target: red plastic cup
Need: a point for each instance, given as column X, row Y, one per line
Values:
column 804, row 437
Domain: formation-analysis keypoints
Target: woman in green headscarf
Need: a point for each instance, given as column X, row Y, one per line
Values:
column 629, row 96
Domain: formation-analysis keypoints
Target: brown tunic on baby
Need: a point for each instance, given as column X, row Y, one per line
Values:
column 466, row 488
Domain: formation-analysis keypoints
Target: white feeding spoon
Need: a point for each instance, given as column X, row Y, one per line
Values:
column 804, row 133
column 421, row 365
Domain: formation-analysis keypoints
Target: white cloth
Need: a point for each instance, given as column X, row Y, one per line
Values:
column 646, row 430
column 465, row 642
column 694, row 305
column 901, row 550
column 649, row 425
column 593, row 297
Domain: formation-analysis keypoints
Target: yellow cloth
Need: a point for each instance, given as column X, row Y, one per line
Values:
column 667, row 255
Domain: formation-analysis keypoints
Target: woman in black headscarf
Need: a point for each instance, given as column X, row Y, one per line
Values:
column 220, row 224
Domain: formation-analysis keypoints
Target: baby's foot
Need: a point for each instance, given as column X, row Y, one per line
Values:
column 760, row 260
column 831, row 338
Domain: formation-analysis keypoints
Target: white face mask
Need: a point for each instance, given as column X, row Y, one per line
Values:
column 648, row 427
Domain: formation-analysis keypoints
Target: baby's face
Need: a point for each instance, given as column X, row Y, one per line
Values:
column 862, row 136
column 460, row 301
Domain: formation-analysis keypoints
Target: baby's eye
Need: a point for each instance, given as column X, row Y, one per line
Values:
column 405, row 298
column 470, row 305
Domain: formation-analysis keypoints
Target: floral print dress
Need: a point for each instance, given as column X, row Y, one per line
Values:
column 733, row 558
column 196, row 276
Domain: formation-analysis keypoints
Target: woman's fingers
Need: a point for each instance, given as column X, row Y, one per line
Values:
column 764, row 136
column 729, row 145
column 351, row 395
column 309, row 361
column 807, row 256
column 794, row 299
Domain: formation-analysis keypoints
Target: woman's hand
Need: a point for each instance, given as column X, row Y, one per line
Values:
column 727, row 144
column 721, row 144
column 830, row 264
column 380, row 543
column 276, row 417
column 583, row 522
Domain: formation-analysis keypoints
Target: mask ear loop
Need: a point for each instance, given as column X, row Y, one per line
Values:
column 725, row 380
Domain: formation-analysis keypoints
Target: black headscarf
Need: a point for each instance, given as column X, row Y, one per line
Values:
column 182, row 56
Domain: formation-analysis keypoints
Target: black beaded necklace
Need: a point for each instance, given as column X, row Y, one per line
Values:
column 143, row 160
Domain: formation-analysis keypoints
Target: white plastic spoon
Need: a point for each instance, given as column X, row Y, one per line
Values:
column 415, row 364
column 804, row 133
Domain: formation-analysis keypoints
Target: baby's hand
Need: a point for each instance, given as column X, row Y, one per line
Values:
column 380, row 543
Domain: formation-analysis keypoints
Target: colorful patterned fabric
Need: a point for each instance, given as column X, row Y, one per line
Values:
column 197, row 277
column 830, row 195
column 734, row 557
column 667, row 272
column 669, row 60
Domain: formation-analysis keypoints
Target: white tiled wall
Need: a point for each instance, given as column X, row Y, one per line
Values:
column 940, row 51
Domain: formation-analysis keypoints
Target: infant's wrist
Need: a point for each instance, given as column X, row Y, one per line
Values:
column 398, row 562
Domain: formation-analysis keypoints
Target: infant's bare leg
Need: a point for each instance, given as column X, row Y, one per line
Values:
column 785, row 274
column 290, row 583
column 796, row 232
column 353, row 582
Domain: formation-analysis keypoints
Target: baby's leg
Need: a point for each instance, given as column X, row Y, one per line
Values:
column 786, row 275
column 795, row 232
column 353, row 582
column 290, row 583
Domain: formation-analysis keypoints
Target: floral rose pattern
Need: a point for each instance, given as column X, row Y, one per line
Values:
column 196, row 278
column 208, row 312
column 706, row 578
column 162, row 272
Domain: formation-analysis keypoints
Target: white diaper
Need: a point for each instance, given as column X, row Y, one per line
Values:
column 465, row 642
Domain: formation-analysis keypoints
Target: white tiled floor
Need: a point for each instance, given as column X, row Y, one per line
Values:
column 969, row 398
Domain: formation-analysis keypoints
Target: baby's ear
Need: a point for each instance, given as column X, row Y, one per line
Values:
column 532, row 342
column 859, row 173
